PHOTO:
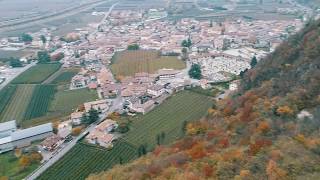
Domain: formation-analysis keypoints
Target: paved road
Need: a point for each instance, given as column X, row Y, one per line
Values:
column 15, row 73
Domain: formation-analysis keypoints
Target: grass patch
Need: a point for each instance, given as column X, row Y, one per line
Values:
column 84, row 159
column 18, row 104
column 127, row 63
column 207, row 92
column 66, row 102
column 9, row 167
column 39, row 104
column 36, row 74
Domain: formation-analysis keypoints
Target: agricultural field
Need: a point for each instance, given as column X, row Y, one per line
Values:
column 5, row 96
column 36, row 74
column 40, row 101
column 65, row 102
column 85, row 159
column 18, row 104
column 168, row 118
column 65, row 76
column 127, row 63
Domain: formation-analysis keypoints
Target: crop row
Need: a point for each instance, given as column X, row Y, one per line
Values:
column 39, row 104
column 83, row 160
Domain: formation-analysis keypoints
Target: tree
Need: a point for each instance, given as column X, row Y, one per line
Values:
column 43, row 39
column 85, row 119
column 184, row 53
column 26, row 38
column 35, row 157
column 133, row 47
column 14, row 62
column 24, row 161
column 93, row 115
column 123, row 128
column 195, row 71
column 142, row 150
column 76, row 131
column 254, row 62
column 43, row 57
column 186, row 43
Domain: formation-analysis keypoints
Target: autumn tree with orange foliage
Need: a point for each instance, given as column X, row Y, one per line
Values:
column 24, row 161
column 274, row 172
column 285, row 111
column 198, row 151
column 254, row 148
column 263, row 127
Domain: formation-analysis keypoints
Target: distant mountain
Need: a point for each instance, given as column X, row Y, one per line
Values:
column 269, row 129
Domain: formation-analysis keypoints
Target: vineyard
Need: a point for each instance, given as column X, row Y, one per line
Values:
column 39, row 104
column 168, row 118
column 65, row 77
column 18, row 104
column 85, row 159
column 127, row 63
column 5, row 96
column 36, row 74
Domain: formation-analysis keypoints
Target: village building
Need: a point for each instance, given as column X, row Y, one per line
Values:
column 51, row 143
column 101, row 106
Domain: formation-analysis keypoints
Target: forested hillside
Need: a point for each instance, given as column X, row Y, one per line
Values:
column 269, row 129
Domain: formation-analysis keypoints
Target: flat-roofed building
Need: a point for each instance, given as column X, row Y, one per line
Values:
column 7, row 128
column 22, row 138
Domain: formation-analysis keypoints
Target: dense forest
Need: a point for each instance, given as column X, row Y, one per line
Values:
column 269, row 129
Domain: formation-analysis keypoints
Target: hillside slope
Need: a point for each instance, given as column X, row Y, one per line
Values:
column 267, row 130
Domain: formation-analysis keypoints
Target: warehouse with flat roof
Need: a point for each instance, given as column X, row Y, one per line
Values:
column 24, row 137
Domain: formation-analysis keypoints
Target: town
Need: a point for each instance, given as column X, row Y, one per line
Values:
column 133, row 61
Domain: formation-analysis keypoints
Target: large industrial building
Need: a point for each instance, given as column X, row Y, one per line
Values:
column 11, row 137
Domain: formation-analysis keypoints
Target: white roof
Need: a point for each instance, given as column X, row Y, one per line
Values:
column 8, row 125
column 26, row 133
column 5, row 140
column 33, row 131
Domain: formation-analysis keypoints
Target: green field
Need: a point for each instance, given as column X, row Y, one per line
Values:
column 18, row 104
column 84, row 159
column 40, row 101
column 127, row 63
column 9, row 167
column 65, row 77
column 168, row 118
column 65, row 102
column 36, row 74
column 5, row 96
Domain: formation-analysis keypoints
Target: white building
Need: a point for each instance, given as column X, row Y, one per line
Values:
column 156, row 90
column 22, row 138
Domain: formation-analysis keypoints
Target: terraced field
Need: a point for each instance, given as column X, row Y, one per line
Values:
column 84, row 159
column 18, row 104
column 168, row 118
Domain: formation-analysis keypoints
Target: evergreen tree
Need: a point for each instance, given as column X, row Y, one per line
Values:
column 254, row 62
column 195, row 71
